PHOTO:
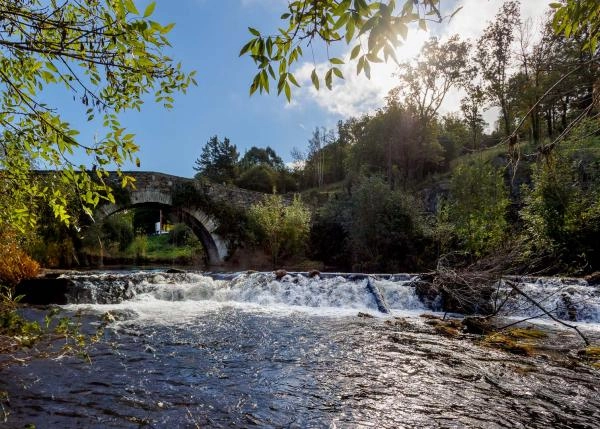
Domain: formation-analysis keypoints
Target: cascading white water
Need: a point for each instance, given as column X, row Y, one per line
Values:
column 566, row 298
column 256, row 288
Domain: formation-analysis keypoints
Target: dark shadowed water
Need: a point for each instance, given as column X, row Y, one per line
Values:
column 253, row 352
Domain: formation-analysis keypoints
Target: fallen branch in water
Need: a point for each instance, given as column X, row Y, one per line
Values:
column 514, row 286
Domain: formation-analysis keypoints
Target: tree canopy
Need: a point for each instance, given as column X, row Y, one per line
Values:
column 375, row 28
column 105, row 54
column 218, row 161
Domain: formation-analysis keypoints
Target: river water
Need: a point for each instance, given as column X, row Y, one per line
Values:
column 192, row 350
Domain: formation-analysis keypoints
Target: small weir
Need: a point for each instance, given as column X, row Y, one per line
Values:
column 568, row 299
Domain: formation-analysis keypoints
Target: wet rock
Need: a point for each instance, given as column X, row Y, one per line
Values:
column 44, row 291
column 395, row 339
column 477, row 325
column 593, row 279
column 279, row 274
column 569, row 306
column 175, row 271
column 430, row 316
column 365, row 315
column 356, row 277
column 425, row 290
column 314, row 273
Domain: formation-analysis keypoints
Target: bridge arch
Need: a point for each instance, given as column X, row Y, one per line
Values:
column 203, row 225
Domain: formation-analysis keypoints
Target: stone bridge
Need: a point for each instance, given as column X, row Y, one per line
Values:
column 164, row 190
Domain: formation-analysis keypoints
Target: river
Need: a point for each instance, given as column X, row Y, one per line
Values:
column 194, row 350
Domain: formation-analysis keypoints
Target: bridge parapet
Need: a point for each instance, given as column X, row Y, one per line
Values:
column 169, row 184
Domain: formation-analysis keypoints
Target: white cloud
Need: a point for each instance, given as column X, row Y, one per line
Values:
column 357, row 95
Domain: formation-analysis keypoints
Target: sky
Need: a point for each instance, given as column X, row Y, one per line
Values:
column 208, row 36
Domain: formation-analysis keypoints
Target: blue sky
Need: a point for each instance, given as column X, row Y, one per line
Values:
column 207, row 38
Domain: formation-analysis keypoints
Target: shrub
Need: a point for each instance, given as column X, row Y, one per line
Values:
column 282, row 230
column 386, row 227
column 181, row 235
column 139, row 246
column 119, row 228
column 15, row 264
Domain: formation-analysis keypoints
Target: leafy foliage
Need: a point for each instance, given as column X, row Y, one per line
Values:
column 15, row 264
column 477, row 207
column 259, row 156
column 218, row 161
column 375, row 228
column 562, row 207
column 106, row 55
column 281, row 229
column 578, row 17
column 494, row 55
column 261, row 178
column 386, row 226
column 182, row 235
column 376, row 27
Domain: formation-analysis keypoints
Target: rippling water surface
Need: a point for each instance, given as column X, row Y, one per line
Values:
column 190, row 351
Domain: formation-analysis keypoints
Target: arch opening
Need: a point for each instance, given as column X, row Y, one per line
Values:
column 200, row 224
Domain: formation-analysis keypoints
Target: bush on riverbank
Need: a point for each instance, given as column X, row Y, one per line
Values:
column 15, row 263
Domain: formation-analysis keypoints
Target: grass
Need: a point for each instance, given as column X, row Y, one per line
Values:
column 155, row 249
column 160, row 248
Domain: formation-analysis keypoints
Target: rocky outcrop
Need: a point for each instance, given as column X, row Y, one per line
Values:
column 45, row 290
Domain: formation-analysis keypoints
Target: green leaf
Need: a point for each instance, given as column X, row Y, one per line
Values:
column 254, row 31
column 149, row 9
column 288, row 92
column 329, row 79
column 336, row 61
column 315, row 79
column 355, row 52
column 130, row 7
column 292, row 79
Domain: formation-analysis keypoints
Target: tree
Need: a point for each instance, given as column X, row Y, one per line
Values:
column 107, row 56
column 315, row 158
column 218, row 161
column 259, row 177
column 259, row 156
column 454, row 135
column 394, row 144
column 375, row 27
column 378, row 227
column 494, row 57
column 561, row 211
column 438, row 68
column 472, row 106
column 478, row 206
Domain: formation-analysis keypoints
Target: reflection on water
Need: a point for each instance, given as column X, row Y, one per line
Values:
column 213, row 359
